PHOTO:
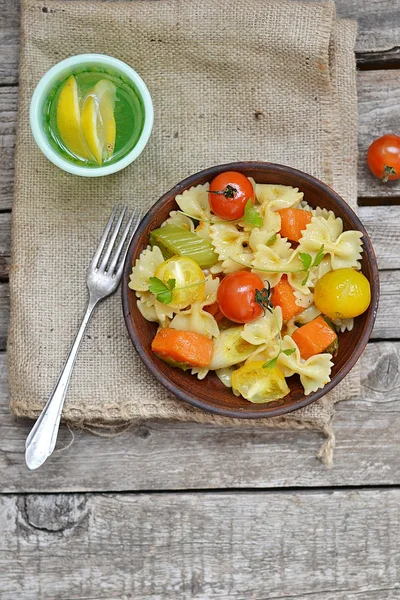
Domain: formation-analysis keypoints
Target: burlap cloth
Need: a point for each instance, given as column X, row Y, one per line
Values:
column 230, row 80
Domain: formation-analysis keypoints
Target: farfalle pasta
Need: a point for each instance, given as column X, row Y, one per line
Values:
column 249, row 281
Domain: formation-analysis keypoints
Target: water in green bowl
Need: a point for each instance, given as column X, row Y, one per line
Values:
column 94, row 117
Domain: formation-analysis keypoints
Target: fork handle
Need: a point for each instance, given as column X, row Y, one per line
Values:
column 42, row 439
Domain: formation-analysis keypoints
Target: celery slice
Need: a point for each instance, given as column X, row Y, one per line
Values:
column 173, row 241
column 230, row 348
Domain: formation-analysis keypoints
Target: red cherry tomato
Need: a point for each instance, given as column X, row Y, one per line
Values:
column 383, row 157
column 236, row 296
column 229, row 193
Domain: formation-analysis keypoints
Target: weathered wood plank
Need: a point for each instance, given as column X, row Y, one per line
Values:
column 383, row 226
column 165, row 456
column 379, row 113
column 9, row 41
column 5, row 244
column 258, row 546
column 8, row 127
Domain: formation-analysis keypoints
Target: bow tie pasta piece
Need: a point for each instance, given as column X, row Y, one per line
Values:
column 307, row 315
column 195, row 318
column 145, row 267
column 228, row 240
column 266, row 233
column 314, row 372
column 326, row 214
column 270, row 262
column 231, row 245
column 194, row 202
column 345, row 249
column 343, row 325
column 304, row 300
column 200, row 372
column 264, row 329
column 153, row 310
column 230, row 349
column 264, row 352
column 203, row 230
column 278, row 196
column 264, row 333
column 179, row 220
column 296, row 280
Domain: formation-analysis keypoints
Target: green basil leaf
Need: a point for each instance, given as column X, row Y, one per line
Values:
column 156, row 286
column 289, row 351
column 271, row 240
column 162, row 292
column 251, row 215
column 305, row 279
column 306, row 260
column 171, row 284
column 271, row 364
column 319, row 257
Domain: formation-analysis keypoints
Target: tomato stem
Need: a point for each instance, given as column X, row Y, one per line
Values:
column 228, row 192
column 387, row 171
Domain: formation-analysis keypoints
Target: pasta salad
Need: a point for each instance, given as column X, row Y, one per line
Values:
column 249, row 281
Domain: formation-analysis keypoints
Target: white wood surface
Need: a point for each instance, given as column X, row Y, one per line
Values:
column 321, row 545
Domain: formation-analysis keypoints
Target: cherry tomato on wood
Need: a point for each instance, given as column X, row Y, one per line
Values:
column 236, row 296
column 383, row 157
column 228, row 194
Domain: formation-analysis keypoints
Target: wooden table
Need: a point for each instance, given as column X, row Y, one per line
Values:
column 170, row 511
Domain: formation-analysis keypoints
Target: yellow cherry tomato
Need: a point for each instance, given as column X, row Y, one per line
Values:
column 259, row 385
column 342, row 294
column 189, row 280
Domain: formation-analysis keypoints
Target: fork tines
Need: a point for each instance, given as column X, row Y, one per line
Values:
column 113, row 265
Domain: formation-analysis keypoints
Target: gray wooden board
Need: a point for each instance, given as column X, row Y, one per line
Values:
column 162, row 456
column 379, row 113
column 326, row 545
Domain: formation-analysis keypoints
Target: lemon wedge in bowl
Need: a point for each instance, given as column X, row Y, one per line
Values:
column 69, row 120
column 98, row 121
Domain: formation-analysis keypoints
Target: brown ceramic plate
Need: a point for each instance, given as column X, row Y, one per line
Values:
column 210, row 394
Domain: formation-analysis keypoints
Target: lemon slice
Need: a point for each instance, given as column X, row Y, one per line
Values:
column 98, row 121
column 69, row 120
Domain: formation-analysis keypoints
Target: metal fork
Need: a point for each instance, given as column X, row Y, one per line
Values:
column 103, row 277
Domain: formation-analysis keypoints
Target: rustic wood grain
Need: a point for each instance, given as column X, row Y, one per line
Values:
column 258, row 546
column 180, row 456
column 379, row 113
column 8, row 127
column 9, row 41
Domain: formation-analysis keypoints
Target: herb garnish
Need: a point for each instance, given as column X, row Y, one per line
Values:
column 162, row 291
column 262, row 298
column 308, row 263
